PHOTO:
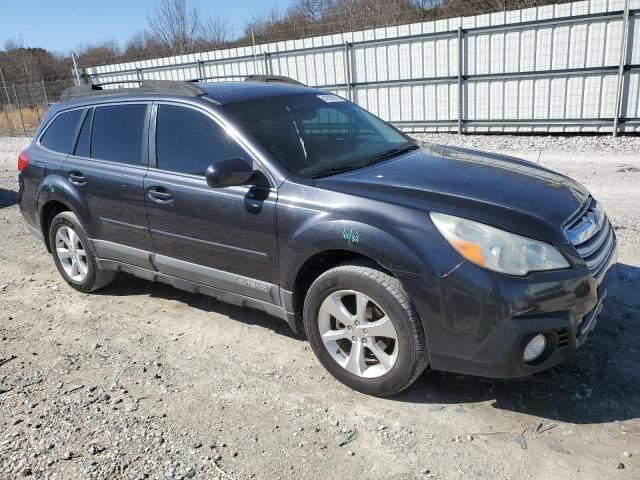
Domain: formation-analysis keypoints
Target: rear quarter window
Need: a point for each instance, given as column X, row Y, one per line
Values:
column 60, row 133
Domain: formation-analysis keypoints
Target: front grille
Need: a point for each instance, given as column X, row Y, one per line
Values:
column 592, row 235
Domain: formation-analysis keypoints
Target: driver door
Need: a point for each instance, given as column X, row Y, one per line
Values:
column 220, row 237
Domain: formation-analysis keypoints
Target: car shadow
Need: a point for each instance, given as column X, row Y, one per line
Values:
column 127, row 285
column 601, row 383
column 8, row 198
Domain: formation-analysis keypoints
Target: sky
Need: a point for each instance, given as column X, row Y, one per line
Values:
column 62, row 25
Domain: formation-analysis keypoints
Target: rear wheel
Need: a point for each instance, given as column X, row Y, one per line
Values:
column 73, row 255
column 364, row 330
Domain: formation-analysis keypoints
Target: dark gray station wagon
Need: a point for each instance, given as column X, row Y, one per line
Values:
column 390, row 256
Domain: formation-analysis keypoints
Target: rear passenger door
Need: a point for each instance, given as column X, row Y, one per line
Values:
column 221, row 237
column 106, row 168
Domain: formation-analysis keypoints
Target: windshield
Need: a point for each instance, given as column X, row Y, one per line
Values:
column 315, row 135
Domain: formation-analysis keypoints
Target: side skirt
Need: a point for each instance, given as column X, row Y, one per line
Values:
column 193, row 287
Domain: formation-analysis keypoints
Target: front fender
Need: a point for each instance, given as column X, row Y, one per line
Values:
column 370, row 241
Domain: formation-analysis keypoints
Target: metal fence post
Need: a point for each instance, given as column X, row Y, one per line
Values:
column 12, row 126
column 75, row 68
column 347, row 70
column 461, row 63
column 15, row 92
column 46, row 98
column 266, row 57
column 623, row 60
column 6, row 113
column 201, row 74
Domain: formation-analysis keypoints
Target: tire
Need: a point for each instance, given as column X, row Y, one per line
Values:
column 396, row 363
column 67, row 230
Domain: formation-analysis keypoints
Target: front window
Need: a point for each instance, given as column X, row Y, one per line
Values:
column 314, row 135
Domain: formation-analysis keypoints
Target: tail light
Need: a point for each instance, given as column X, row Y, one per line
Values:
column 23, row 161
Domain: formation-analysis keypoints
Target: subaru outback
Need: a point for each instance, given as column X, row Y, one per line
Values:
column 391, row 256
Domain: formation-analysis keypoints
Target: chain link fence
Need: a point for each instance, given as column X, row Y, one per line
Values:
column 23, row 106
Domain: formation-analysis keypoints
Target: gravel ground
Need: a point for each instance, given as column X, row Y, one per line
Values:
column 144, row 381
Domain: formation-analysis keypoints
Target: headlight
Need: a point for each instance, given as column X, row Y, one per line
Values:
column 496, row 249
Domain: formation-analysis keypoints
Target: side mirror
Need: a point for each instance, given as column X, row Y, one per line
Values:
column 228, row 173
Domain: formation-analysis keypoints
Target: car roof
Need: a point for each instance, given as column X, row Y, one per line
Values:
column 231, row 92
column 218, row 92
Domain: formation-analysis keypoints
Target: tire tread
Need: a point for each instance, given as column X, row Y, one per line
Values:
column 101, row 277
column 397, row 290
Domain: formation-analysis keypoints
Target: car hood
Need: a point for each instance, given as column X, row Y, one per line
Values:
column 509, row 193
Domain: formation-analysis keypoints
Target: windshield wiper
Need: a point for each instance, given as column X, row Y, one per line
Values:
column 378, row 158
column 334, row 171
column 391, row 153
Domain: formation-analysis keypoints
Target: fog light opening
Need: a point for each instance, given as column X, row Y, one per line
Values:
column 535, row 348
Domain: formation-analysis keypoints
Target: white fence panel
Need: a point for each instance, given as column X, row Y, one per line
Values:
column 553, row 68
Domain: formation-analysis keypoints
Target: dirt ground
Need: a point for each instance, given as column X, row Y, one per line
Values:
column 141, row 380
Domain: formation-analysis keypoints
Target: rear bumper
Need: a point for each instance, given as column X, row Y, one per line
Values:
column 478, row 322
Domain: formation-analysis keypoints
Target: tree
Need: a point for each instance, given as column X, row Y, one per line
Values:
column 101, row 53
column 215, row 31
column 175, row 27
column 141, row 45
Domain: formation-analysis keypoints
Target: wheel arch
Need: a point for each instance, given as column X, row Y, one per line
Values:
column 316, row 265
column 53, row 197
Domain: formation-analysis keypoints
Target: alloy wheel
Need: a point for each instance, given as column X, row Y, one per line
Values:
column 358, row 334
column 71, row 254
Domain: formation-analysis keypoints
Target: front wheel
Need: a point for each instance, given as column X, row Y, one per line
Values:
column 363, row 328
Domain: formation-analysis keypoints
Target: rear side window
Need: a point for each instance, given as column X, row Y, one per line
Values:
column 188, row 141
column 117, row 133
column 60, row 133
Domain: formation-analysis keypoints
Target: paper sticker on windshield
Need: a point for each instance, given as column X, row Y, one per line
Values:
column 331, row 98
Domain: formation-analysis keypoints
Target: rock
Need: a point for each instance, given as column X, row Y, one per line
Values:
column 350, row 453
column 626, row 454
column 26, row 472
column 196, row 445
column 621, row 466
column 95, row 448
column 425, row 471
column 74, row 387
column 470, row 438
column 382, row 427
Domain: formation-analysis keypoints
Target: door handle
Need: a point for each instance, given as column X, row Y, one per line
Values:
column 77, row 177
column 160, row 194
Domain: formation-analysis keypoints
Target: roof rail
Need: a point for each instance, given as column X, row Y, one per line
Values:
column 145, row 86
column 272, row 78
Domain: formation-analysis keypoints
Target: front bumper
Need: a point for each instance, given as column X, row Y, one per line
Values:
column 478, row 322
